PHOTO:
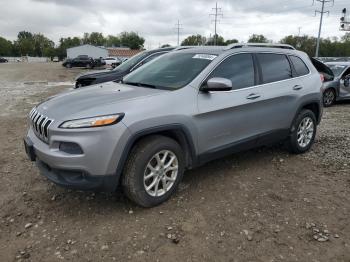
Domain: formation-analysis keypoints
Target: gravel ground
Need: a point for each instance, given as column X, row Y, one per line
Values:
column 260, row 205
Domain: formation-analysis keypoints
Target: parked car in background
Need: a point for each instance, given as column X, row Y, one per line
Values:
column 120, row 71
column 55, row 59
column 80, row 61
column 99, row 62
column 339, row 88
column 178, row 112
column 3, row 60
column 112, row 61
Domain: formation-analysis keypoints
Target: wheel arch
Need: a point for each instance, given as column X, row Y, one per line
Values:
column 336, row 90
column 314, row 105
column 177, row 132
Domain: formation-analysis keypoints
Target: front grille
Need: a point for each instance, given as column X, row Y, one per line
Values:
column 40, row 124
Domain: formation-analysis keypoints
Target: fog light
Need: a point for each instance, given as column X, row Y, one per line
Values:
column 70, row 148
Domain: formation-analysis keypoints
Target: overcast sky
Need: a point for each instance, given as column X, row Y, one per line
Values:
column 155, row 19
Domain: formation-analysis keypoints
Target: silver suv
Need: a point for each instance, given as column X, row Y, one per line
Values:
column 181, row 110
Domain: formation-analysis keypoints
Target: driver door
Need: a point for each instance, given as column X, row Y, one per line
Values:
column 229, row 117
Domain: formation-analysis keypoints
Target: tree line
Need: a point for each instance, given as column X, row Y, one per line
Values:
column 329, row 47
column 33, row 44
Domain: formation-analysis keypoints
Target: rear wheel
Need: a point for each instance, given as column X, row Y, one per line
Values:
column 328, row 97
column 303, row 132
column 68, row 65
column 153, row 171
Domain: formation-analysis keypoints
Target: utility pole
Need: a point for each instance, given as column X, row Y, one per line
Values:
column 217, row 14
column 322, row 12
column 178, row 28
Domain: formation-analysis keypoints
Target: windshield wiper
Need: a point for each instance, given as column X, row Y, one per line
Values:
column 139, row 84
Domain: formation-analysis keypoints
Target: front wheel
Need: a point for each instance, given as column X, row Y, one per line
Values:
column 303, row 132
column 153, row 171
column 328, row 97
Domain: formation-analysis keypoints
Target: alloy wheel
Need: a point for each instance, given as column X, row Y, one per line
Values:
column 305, row 132
column 328, row 98
column 160, row 173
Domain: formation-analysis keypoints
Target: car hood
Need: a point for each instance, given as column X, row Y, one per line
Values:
column 103, row 99
column 101, row 74
column 323, row 69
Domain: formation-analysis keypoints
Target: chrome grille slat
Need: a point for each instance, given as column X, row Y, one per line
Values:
column 36, row 122
column 40, row 124
column 31, row 113
column 43, row 125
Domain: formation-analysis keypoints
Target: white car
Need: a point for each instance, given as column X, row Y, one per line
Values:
column 112, row 61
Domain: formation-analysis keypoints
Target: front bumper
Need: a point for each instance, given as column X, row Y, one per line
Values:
column 95, row 168
column 79, row 180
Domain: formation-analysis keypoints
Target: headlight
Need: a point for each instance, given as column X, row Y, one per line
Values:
column 96, row 121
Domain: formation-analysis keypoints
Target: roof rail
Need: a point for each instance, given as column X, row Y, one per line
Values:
column 182, row 47
column 268, row 45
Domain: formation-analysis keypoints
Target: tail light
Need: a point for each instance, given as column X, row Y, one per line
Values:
column 322, row 77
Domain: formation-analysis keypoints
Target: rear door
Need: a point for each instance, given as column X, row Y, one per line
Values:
column 280, row 93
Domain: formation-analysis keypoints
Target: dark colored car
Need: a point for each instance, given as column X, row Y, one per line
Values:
column 99, row 62
column 80, row 61
column 120, row 71
column 3, row 60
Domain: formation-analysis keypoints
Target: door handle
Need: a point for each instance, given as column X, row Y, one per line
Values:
column 297, row 87
column 253, row 96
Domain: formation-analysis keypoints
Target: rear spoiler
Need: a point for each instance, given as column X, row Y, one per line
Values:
column 323, row 69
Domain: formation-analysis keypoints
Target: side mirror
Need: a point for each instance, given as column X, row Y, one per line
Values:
column 217, row 84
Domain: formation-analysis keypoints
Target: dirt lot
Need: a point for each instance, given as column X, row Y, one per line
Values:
column 261, row 205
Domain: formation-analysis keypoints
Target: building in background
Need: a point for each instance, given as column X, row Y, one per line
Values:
column 97, row 52
column 89, row 50
column 122, row 52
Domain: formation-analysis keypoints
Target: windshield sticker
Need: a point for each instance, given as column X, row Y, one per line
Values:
column 204, row 56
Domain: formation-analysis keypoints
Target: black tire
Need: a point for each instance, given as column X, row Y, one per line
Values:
column 68, row 65
column 329, row 97
column 78, row 85
column 293, row 145
column 135, row 167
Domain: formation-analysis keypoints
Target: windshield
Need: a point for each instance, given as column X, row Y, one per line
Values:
column 337, row 69
column 131, row 62
column 170, row 71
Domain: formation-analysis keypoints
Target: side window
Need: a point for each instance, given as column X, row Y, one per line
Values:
column 299, row 66
column 274, row 67
column 238, row 68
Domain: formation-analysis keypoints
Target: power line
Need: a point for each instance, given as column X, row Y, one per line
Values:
column 322, row 12
column 218, row 13
column 178, row 28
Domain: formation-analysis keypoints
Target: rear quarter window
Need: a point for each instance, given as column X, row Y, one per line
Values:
column 274, row 67
column 300, row 68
